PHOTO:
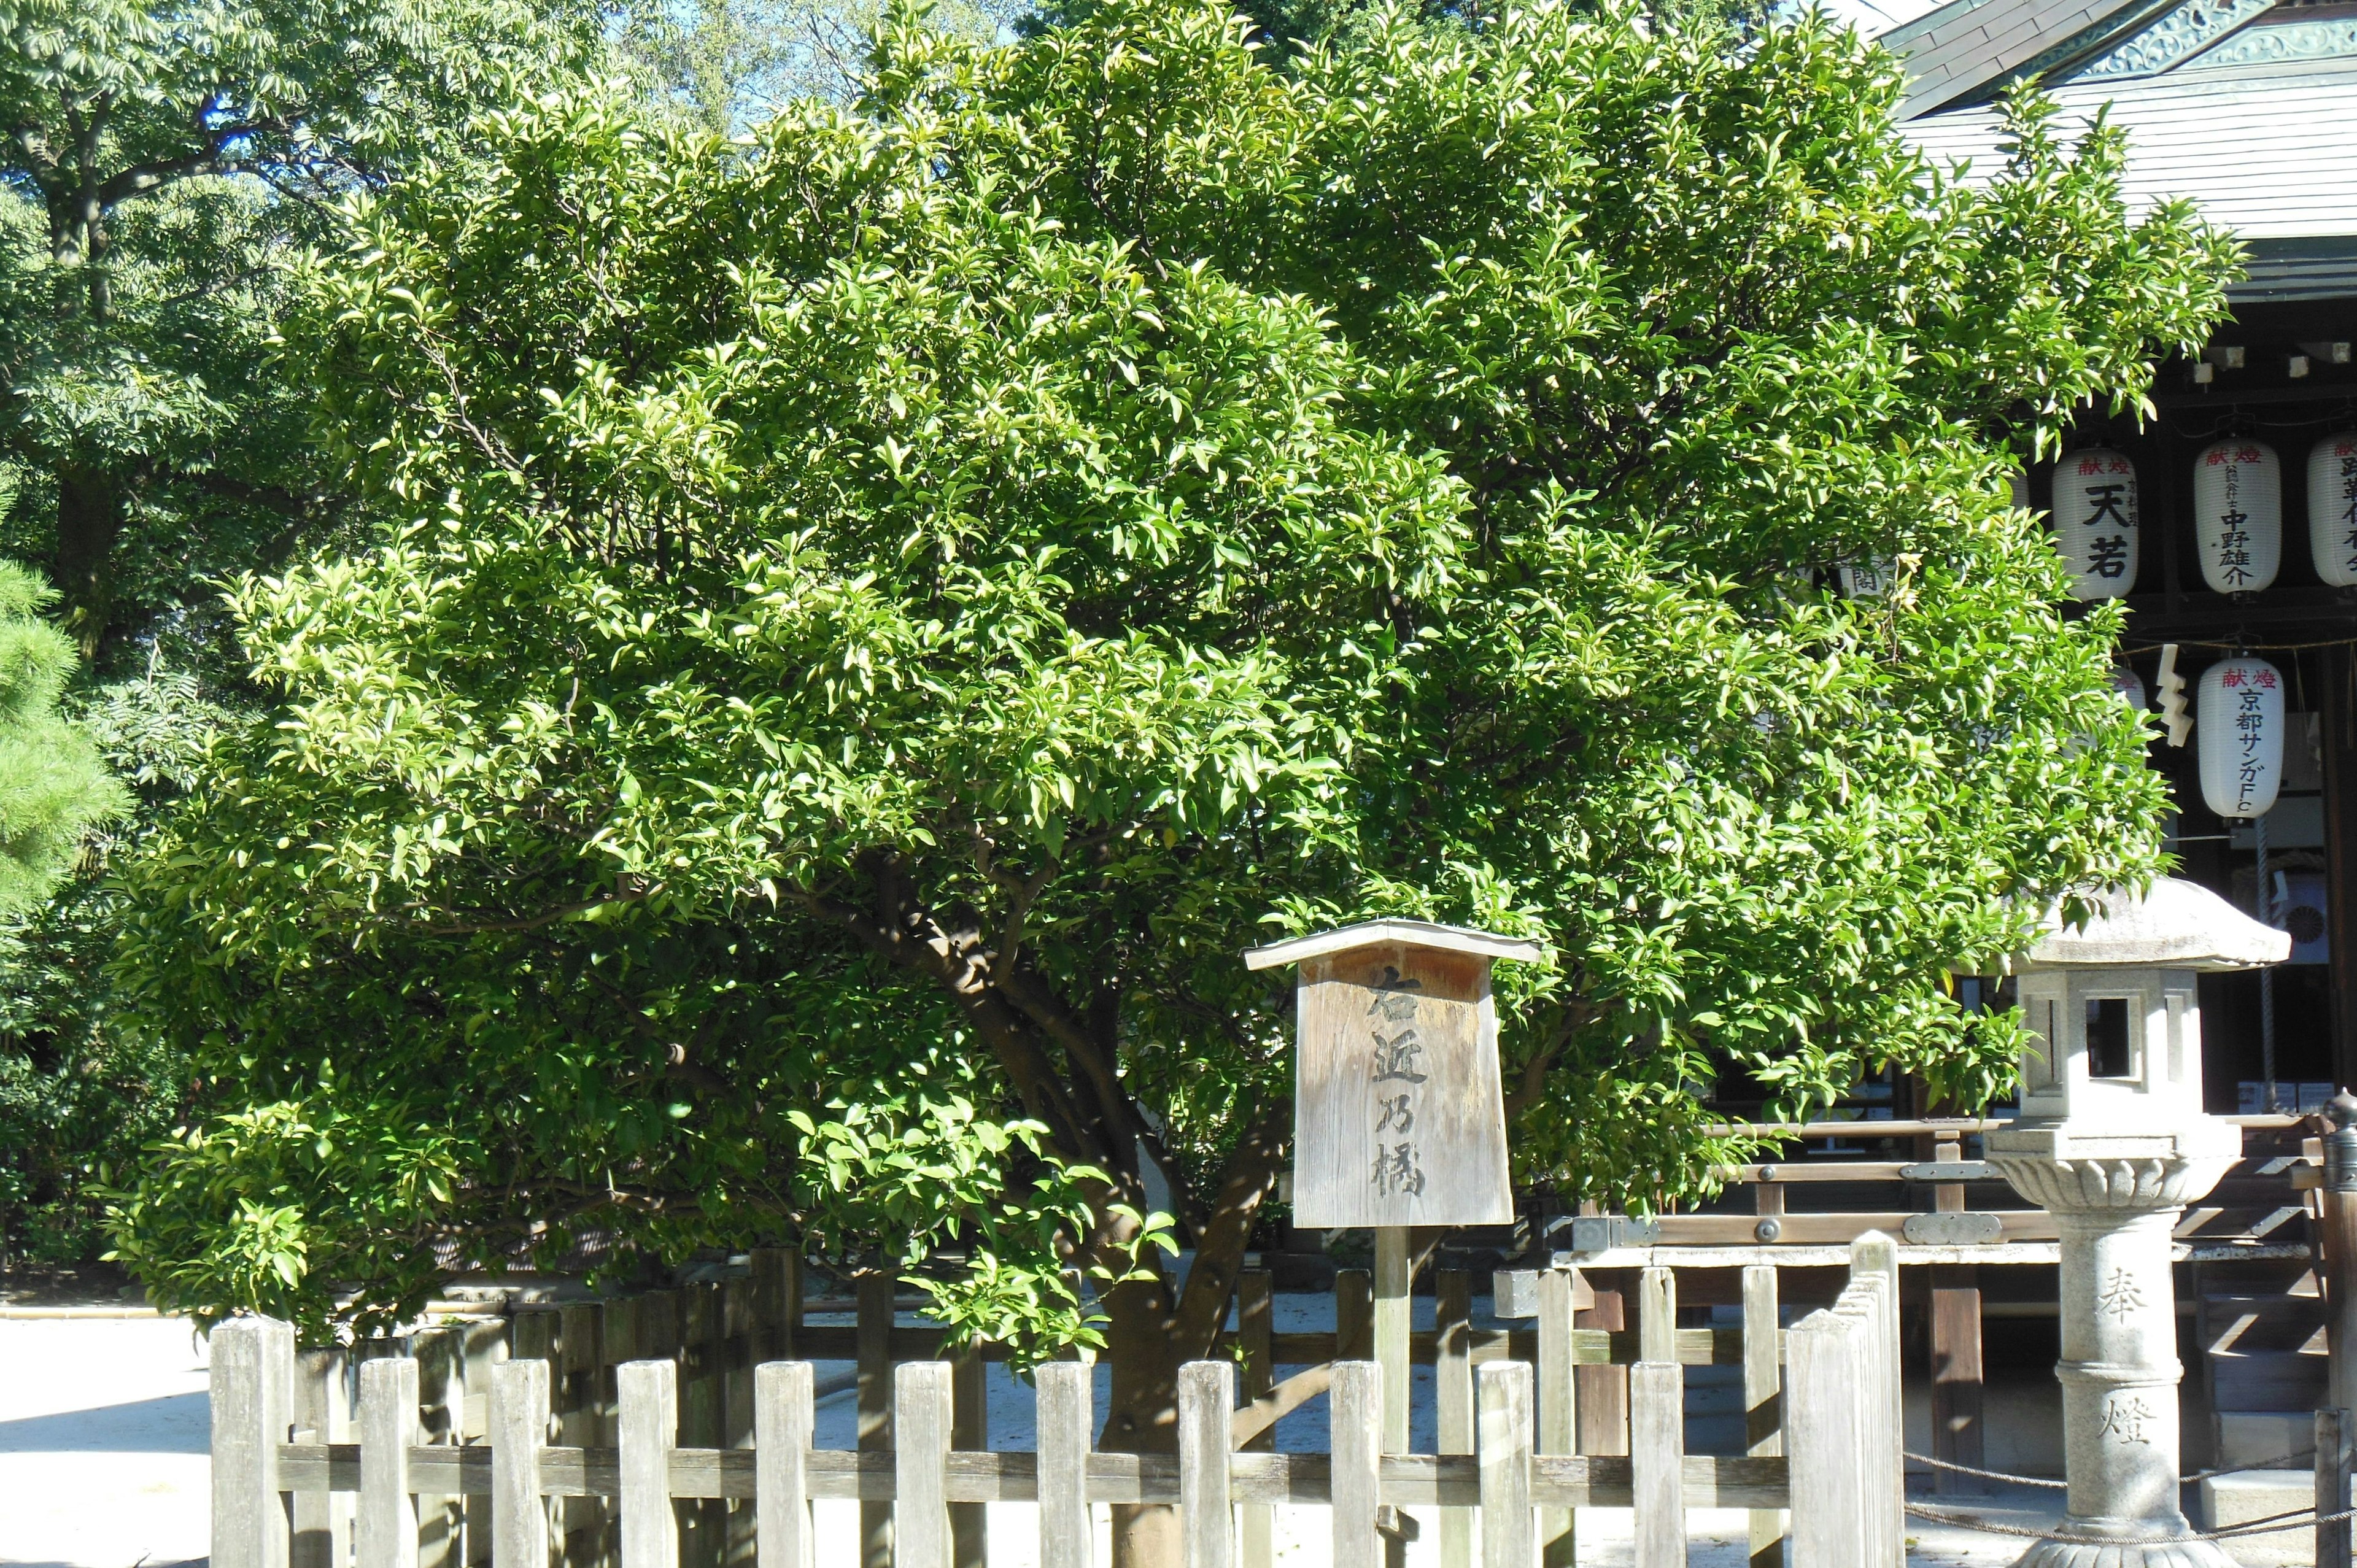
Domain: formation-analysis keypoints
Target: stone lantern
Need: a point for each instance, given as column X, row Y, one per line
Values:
column 2111, row 1141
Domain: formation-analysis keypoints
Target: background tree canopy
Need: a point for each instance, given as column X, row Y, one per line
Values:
column 884, row 612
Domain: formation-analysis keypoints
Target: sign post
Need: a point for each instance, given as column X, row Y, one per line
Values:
column 1399, row 1119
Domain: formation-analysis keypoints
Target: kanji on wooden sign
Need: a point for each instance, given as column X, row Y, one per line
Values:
column 1398, row 1119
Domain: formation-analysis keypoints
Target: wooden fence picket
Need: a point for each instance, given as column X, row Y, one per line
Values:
column 783, row 1421
column 650, row 1422
column 1452, row 1391
column 1067, row 1416
column 518, row 1515
column 1508, row 1537
column 387, row 1519
column 1256, row 1310
column 252, row 1407
column 1207, row 1397
column 1356, row 1410
column 921, row 1414
column 1657, row 1463
column 1763, row 1416
column 1557, row 1395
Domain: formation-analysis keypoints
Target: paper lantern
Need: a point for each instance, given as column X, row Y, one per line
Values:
column 1867, row 579
column 2332, row 509
column 2130, row 686
column 2095, row 522
column 2238, row 724
column 2238, row 515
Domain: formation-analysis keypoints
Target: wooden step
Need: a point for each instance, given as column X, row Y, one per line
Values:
column 2267, row 1380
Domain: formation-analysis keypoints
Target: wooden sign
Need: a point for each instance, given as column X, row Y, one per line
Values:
column 1398, row 1118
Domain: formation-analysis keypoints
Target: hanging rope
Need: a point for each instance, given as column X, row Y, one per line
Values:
column 2058, row 1486
column 2297, row 1518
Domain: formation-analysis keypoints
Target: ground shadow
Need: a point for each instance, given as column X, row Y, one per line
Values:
column 175, row 1423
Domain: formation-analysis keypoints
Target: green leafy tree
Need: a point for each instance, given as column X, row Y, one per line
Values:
column 888, row 613
column 162, row 155
column 165, row 161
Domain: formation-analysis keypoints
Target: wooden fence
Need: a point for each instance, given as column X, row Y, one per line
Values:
column 1839, row 1474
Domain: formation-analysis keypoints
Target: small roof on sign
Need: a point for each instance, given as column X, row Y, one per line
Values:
column 1415, row 933
column 2178, row 925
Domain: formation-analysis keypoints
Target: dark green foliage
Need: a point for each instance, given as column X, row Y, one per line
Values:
column 887, row 614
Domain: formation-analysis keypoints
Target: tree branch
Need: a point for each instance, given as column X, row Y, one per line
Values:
column 1253, row 1171
column 1574, row 1016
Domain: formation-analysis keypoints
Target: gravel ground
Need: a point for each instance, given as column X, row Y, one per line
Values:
column 103, row 1424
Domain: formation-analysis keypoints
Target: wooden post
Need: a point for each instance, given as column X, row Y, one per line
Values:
column 322, row 1520
column 1393, row 1305
column 1558, row 1402
column 650, row 1414
column 1657, row 1319
column 1359, row 1416
column 2332, row 1490
column 969, row 1429
column 1604, row 1389
column 922, row 1409
column 1507, row 1539
column 1354, row 1315
column 386, row 1536
column 702, row 1417
column 775, row 1279
column 1067, row 1416
column 537, row 1333
column 581, row 1417
column 482, row 1347
column 875, row 1343
column 441, row 1362
column 1956, row 1375
column 1452, row 1384
column 1255, row 1522
column 1657, row 1462
column 1763, row 1411
column 740, row 1353
column 2337, row 1233
column 252, row 1396
column 783, row 1418
column 1207, row 1402
column 2337, row 721
column 518, row 1431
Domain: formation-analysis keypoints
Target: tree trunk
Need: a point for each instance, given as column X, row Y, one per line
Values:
column 91, row 512
column 1142, row 1418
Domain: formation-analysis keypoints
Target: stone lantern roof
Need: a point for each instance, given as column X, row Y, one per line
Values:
column 2176, row 924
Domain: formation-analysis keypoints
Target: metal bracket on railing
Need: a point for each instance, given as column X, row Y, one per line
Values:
column 2340, row 1144
column 1945, row 1170
column 1601, row 1232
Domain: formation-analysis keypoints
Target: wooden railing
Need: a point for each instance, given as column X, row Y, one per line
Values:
column 1841, row 1480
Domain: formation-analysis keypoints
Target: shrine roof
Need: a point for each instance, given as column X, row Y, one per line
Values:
column 2176, row 924
column 2238, row 141
column 1412, row 933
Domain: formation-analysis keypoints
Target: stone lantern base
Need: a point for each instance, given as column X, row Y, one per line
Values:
column 2116, row 1196
column 2140, row 1554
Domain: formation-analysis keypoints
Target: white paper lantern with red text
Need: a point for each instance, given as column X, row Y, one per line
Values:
column 2130, row 686
column 2238, row 729
column 2238, row 515
column 2332, row 509
column 2095, row 522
